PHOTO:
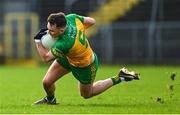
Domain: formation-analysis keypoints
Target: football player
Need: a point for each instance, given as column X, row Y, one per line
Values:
column 73, row 53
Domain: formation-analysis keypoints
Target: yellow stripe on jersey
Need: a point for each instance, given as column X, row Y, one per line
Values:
column 81, row 54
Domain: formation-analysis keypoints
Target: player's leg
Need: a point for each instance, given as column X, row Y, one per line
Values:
column 86, row 77
column 92, row 89
column 55, row 72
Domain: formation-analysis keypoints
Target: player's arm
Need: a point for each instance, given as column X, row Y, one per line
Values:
column 88, row 22
column 45, row 54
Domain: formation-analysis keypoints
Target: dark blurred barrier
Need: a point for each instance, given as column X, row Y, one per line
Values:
column 130, row 43
column 2, row 56
column 2, row 59
column 128, row 31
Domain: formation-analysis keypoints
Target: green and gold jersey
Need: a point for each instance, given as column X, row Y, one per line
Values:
column 74, row 44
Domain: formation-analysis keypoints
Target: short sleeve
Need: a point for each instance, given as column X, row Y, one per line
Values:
column 81, row 18
column 57, row 50
column 56, row 53
column 73, row 16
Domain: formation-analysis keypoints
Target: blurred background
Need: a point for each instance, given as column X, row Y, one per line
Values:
column 127, row 31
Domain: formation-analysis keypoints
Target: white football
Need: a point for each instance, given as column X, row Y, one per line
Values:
column 48, row 41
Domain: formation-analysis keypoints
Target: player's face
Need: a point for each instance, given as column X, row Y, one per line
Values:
column 53, row 30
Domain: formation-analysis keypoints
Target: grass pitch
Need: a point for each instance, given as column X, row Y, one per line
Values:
column 156, row 92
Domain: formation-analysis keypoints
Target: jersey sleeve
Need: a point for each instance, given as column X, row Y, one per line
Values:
column 81, row 18
column 57, row 50
column 73, row 16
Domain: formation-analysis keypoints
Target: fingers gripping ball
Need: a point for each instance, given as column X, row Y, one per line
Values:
column 39, row 35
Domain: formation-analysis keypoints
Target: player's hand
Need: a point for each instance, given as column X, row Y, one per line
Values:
column 39, row 35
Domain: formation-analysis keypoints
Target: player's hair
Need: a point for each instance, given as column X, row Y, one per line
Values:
column 57, row 18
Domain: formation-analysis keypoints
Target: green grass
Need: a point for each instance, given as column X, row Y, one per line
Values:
column 21, row 86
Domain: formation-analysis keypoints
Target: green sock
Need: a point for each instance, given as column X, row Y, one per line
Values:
column 116, row 80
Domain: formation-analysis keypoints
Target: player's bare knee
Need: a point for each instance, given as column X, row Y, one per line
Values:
column 46, row 83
